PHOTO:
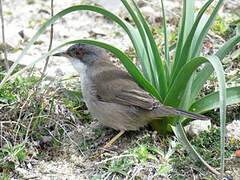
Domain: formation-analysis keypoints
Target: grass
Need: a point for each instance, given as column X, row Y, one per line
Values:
column 31, row 118
column 220, row 26
column 224, row 27
column 207, row 145
column 164, row 158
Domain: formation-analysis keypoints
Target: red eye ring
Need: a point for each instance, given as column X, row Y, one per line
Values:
column 78, row 53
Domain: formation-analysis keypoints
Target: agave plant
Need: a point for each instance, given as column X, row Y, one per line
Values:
column 174, row 82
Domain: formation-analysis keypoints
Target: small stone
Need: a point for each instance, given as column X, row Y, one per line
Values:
column 142, row 3
column 21, row 171
column 29, row 165
column 110, row 5
column 196, row 127
column 233, row 129
column 46, row 141
column 148, row 11
column 237, row 153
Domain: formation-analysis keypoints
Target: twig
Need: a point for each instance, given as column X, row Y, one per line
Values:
column 28, row 129
column 2, row 137
column 50, row 43
column 3, row 38
column 137, row 170
column 49, row 48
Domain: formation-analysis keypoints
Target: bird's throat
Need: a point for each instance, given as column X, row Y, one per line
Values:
column 79, row 66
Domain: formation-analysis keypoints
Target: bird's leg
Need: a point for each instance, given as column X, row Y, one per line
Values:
column 113, row 139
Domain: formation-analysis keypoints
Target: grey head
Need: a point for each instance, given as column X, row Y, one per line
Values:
column 86, row 53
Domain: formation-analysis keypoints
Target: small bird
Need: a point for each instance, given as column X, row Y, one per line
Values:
column 111, row 94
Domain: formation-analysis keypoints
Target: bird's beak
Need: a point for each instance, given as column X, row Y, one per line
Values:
column 60, row 54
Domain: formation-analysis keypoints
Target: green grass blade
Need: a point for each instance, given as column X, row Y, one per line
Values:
column 184, row 57
column 238, row 29
column 175, row 97
column 187, row 95
column 141, row 31
column 186, row 25
column 189, row 17
column 175, row 93
column 166, row 52
column 200, row 80
column 197, row 48
column 156, row 59
column 216, row 63
column 140, row 50
column 211, row 101
column 204, row 74
column 196, row 44
column 227, row 47
column 181, row 135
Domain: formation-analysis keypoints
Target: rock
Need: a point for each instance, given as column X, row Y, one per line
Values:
column 142, row 3
column 148, row 11
column 29, row 166
column 109, row 5
column 194, row 128
column 21, row 171
column 46, row 141
column 233, row 129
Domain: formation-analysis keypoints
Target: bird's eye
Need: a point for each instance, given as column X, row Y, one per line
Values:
column 78, row 53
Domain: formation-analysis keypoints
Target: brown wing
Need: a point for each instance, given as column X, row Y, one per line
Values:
column 115, row 85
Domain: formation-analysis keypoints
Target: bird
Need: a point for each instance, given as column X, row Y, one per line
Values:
column 112, row 96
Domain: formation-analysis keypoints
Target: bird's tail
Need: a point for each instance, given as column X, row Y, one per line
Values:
column 169, row 111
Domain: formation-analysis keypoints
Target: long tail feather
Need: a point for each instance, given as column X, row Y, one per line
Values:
column 190, row 114
column 169, row 111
